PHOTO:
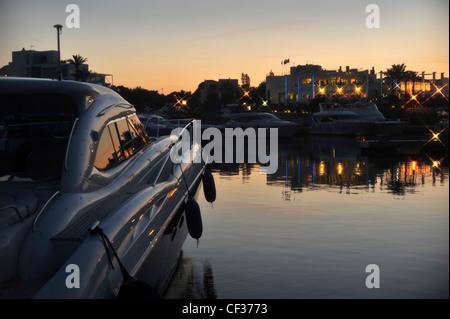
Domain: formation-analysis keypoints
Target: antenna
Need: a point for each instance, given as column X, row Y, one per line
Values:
column 58, row 32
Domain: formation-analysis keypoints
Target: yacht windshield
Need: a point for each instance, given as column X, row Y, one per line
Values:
column 34, row 130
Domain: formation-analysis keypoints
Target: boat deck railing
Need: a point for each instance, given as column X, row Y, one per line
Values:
column 187, row 128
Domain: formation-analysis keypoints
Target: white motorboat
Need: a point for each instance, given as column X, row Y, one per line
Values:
column 370, row 112
column 177, row 123
column 155, row 125
column 263, row 120
column 82, row 187
column 332, row 119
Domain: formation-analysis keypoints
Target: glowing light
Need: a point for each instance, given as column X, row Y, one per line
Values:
column 340, row 168
column 413, row 165
column 439, row 90
column 246, row 93
column 264, row 103
column 172, row 192
column 436, row 136
column 180, row 101
column 358, row 170
column 436, row 164
column 358, row 89
column 322, row 169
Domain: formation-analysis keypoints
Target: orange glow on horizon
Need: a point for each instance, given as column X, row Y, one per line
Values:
column 161, row 46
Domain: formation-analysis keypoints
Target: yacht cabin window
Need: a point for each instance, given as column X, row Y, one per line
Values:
column 119, row 141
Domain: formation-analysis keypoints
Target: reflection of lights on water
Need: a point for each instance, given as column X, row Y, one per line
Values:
column 407, row 173
column 358, row 169
column 322, row 169
column 340, row 168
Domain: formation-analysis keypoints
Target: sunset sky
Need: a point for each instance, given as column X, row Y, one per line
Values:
column 176, row 44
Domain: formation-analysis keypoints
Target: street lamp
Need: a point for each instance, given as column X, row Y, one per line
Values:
column 58, row 32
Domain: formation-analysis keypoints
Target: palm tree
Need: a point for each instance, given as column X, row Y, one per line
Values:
column 413, row 77
column 77, row 61
column 396, row 74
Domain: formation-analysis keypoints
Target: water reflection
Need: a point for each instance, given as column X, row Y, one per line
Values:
column 337, row 163
column 193, row 279
column 297, row 234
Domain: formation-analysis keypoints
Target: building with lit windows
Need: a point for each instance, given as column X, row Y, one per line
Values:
column 305, row 82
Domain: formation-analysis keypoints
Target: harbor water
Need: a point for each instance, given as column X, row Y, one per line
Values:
column 311, row 229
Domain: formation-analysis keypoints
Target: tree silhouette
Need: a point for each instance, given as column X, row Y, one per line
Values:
column 413, row 77
column 396, row 74
column 77, row 61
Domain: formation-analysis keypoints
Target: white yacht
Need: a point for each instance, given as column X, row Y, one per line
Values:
column 370, row 112
column 83, row 187
column 155, row 125
column 263, row 120
column 332, row 119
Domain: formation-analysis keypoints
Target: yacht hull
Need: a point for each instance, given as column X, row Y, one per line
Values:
column 340, row 128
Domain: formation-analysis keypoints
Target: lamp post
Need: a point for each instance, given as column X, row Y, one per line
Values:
column 58, row 32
